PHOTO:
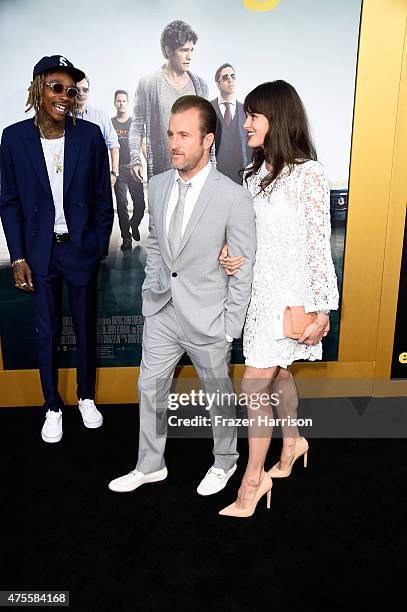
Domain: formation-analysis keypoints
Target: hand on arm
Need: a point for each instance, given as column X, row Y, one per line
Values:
column 230, row 264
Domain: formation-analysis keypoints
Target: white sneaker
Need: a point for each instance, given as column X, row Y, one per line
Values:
column 52, row 429
column 90, row 414
column 215, row 480
column 133, row 480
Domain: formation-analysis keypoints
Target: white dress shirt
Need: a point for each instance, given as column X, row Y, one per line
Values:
column 222, row 106
column 196, row 183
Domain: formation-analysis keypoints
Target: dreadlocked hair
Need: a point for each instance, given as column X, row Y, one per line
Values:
column 35, row 98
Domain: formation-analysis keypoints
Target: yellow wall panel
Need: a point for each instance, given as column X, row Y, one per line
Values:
column 376, row 102
column 395, row 232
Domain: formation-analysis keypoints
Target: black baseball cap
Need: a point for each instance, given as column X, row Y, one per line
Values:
column 57, row 62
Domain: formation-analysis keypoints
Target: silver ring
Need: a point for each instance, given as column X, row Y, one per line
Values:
column 24, row 284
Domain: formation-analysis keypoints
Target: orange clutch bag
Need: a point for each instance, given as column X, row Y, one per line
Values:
column 296, row 320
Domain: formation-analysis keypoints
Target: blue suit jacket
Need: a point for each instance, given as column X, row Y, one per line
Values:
column 26, row 204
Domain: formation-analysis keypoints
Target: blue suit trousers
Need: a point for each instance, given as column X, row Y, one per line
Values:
column 82, row 291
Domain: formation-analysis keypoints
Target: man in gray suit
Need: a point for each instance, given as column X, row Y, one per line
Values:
column 190, row 305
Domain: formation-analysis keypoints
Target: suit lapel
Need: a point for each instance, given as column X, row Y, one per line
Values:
column 205, row 197
column 73, row 140
column 35, row 153
column 163, row 217
column 217, row 109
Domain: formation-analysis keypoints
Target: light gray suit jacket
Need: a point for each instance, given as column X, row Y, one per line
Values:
column 209, row 303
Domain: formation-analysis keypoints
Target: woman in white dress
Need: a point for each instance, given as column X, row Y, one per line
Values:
column 293, row 268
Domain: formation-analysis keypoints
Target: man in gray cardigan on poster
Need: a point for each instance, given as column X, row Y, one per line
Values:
column 189, row 304
column 155, row 96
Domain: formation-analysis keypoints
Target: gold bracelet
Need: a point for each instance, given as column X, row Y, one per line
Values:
column 17, row 261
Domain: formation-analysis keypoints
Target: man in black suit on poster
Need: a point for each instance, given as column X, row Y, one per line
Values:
column 232, row 152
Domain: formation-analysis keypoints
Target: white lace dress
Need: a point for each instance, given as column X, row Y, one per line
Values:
column 293, row 262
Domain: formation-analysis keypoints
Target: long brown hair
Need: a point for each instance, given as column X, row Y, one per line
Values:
column 288, row 141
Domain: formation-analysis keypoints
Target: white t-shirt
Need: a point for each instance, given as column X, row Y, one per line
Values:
column 54, row 159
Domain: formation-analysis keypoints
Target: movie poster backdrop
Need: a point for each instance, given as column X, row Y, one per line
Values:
column 312, row 45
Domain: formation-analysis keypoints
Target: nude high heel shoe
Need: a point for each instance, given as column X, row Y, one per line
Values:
column 301, row 448
column 264, row 488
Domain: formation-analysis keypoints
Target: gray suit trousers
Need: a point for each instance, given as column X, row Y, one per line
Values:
column 164, row 343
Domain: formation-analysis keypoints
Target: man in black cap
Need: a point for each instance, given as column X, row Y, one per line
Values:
column 57, row 214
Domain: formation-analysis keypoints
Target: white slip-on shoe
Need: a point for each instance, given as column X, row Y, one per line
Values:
column 133, row 480
column 215, row 480
column 91, row 416
column 52, row 429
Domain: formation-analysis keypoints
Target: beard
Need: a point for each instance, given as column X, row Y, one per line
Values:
column 187, row 162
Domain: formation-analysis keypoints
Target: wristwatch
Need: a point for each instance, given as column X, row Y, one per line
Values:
column 116, row 174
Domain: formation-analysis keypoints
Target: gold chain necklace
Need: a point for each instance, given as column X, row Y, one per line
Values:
column 57, row 160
